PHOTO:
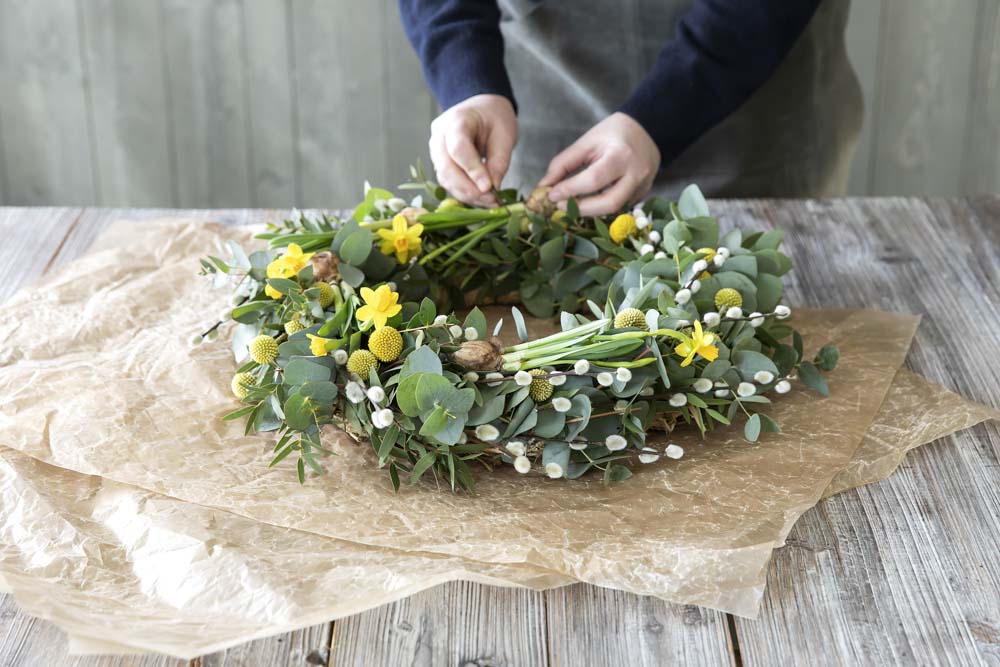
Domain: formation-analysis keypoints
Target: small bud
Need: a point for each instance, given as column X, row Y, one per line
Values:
column 646, row 248
column 396, row 204
column 553, row 470
column 641, row 222
column 782, row 312
column 721, row 393
column 654, row 237
column 471, row 376
column 615, row 443
column 660, row 255
column 623, row 374
column 674, row 451
column 763, row 377
column 471, row 333
column 783, row 387
column 354, row 392
column 702, row 385
column 582, row 367
column 340, row 357
column 440, row 320
column 695, row 286
column 678, row 400
column 745, row 389
column 557, row 380
column 515, row 448
column 719, row 259
column 561, row 404
column 649, row 457
column 682, row 296
column 487, row 432
column 734, row 313
column 376, row 394
column 756, row 319
column 522, row 464
column 455, row 331
column 699, row 266
column 712, row 319
column 522, row 378
column 605, row 379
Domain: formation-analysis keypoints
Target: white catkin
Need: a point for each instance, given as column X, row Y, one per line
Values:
column 615, row 443
column 581, row 367
column 605, row 379
column 487, row 432
column 522, row 464
column 553, row 470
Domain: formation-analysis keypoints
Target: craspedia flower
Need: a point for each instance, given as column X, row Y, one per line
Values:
column 263, row 350
column 540, row 388
column 294, row 326
column 727, row 298
column 362, row 363
column 242, row 384
column 325, row 294
column 386, row 344
column 631, row 317
column 622, row 227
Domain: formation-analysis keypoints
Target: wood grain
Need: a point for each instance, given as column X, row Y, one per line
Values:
column 599, row 626
column 455, row 624
column 130, row 103
column 899, row 571
column 903, row 571
column 46, row 139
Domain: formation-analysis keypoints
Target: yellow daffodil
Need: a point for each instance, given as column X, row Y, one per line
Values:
column 380, row 305
column 701, row 343
column 287, row 266
column 318, row 345
column 403, row 239
column 622, row 227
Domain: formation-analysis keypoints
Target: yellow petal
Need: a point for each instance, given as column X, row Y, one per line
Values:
column 271, row 292
column 709, row 352
column 368, row 294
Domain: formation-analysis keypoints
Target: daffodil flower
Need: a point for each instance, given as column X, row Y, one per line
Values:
column 318, row 345
column 701, row 343
column 403, row 239
column 380, row 305
column 286, row 266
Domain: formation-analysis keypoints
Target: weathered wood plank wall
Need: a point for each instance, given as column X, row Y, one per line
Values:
column 234, row 103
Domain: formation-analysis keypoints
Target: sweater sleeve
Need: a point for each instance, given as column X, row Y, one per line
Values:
column 723, row 51
column 459, row 45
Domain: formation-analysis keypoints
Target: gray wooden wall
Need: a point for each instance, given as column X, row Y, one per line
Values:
column 233, row 103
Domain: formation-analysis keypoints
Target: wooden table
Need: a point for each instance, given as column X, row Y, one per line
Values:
column 902, row 571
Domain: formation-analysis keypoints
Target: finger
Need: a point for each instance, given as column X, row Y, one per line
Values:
column 610, row 201
column 499, row 146
column 458, row 142
column 451, row 177
column 598, row 175
column 565, row 164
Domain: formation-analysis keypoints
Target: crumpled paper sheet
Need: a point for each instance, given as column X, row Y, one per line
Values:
column 111, row 390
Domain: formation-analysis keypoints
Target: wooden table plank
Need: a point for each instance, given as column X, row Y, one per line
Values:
column 600, row 626
column 904, row 570
column 459, row 623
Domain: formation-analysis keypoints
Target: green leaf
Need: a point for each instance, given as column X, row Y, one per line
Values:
column 556, row 452
column 691, row 203
column 486, row 412
column 236, row 414
column 752, row 429
column 356, row 247
column 251, row 312
column 419, row 393
column 549, row 424
column 477, row 321
column 302, row 370
column 618, row 473
column 769, row 290
column 421, row 360
column 551, row 254
column 769, row 240
column 352, row 275
column 745, row 264
column 749, row 363
column 299, row 412
column 320, row 392
column 813, row 379
column 423, row 463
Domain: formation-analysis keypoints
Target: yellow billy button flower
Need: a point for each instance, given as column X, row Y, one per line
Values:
column 540, row 388
column 380, row 305
column 403, row 239
column 264, row 349
column 242, row 384
column 386, row 344
column 362, row 363
column 700, row 343
column 318, row 345
column 325, row 294
column 293, row 326
column 622, row 227
column 727, row 298
column 631, row 317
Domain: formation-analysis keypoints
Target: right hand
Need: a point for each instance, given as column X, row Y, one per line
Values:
column 481, row 127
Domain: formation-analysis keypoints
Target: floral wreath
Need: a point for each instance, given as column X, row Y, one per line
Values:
column 663, row 322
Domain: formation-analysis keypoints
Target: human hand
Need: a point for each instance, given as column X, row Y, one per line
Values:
column 617, row 160
column 483, row 126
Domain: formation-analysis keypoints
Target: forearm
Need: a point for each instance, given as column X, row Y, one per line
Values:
column 459, row 45
column 724, row 50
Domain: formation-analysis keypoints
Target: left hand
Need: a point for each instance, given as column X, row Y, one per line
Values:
column 617, row 162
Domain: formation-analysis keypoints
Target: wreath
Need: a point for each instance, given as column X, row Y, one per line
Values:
column 663, row 322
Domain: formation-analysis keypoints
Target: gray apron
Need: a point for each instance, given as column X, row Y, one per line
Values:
column 574, row 63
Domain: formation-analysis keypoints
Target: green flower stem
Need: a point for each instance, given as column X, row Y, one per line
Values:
column 590, row 327
column 467, row 239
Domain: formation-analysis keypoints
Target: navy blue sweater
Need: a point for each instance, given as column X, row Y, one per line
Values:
column 722, row 52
